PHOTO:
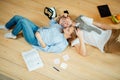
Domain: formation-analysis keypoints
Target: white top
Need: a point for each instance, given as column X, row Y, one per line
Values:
column 94, row 39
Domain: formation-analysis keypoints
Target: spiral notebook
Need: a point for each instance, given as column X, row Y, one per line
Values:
column 32, row 59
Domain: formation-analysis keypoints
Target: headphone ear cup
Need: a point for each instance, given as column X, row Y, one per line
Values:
column 46, row 9
column 53, row 12
column 50, row 12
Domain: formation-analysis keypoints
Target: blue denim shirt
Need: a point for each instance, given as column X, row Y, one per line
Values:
column 53, row 38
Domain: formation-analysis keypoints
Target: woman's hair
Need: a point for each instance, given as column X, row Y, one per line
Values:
column 73, row 37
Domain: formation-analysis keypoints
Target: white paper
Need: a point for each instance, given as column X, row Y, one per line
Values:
column 66, row 57
column 32, row 59
column 63, row 65
column 57, row 61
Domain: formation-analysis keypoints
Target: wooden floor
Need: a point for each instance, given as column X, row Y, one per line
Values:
column 96, row 66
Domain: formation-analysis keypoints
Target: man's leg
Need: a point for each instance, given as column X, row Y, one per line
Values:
column 28, row 28
column 13, row 21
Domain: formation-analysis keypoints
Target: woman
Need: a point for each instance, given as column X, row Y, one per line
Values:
column 107, row 41
column 48, row 39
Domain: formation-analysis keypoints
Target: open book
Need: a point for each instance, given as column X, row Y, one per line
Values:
column 32, row 59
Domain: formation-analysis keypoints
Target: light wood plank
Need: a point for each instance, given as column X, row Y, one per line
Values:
column 96, row 66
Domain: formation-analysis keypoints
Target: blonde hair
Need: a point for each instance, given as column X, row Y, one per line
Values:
column 73, row 37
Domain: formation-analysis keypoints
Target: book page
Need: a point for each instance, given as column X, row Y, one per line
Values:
column 32, row 59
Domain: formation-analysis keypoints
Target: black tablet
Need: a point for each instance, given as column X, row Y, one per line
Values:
column 104, row 10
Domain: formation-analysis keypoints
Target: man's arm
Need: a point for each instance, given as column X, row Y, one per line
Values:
column 56, row 47
column 38, row 36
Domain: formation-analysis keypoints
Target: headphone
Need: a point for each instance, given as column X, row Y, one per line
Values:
column 50, row 12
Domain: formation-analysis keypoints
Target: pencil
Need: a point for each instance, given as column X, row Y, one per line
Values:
column 56, row 69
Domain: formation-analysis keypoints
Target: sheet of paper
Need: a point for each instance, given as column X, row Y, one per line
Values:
column 66, row 57
column 32, row 59
column 63, row 65
column 57, row 61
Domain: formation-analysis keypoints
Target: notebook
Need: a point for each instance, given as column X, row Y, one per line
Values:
column 32, row 59
column 104, row 10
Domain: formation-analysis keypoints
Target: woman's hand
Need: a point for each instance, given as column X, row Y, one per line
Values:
column 81, row 48
column 79, row 32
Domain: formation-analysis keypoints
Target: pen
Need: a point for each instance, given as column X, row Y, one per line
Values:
column 56, row 69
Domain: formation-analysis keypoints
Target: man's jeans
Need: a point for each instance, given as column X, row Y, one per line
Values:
column 27, row 27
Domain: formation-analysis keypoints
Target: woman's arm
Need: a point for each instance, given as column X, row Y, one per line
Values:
column 81, row 48
column 102, row 26
column 90, row 21
column 38, row 36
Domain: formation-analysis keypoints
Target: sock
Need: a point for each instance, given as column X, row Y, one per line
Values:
column 3, row 27
column 10, row 36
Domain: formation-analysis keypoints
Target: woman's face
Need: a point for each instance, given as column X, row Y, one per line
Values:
column 68, row 31
column 65, row 22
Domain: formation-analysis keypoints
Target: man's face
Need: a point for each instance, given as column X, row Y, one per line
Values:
column 65, row 22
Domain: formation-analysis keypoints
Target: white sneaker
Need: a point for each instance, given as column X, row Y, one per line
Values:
column 10, row 36
column 3, row 27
